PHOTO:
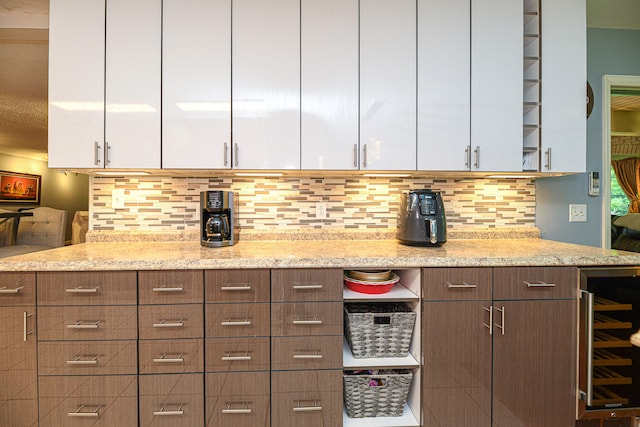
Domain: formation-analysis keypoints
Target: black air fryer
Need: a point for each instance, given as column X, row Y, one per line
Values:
column 421, row 219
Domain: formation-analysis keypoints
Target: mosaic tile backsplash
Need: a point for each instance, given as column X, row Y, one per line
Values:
column 288, row 203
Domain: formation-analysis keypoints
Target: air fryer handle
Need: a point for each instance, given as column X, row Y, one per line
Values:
column 433, row 231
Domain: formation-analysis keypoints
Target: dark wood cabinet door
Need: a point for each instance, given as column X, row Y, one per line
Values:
column 457, row 364
column 534, row 363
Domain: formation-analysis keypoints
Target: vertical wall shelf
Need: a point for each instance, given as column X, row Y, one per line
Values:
column 531, row 87
column 407, row 290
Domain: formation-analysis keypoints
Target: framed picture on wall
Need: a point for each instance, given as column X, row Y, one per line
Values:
column 19, row 188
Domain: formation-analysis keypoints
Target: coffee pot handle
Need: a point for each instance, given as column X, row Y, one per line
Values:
column 226, row 231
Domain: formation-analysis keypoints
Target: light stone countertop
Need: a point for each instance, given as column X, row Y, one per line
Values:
column 315, row 253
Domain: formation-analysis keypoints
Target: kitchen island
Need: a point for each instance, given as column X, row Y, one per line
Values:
column 254, row 334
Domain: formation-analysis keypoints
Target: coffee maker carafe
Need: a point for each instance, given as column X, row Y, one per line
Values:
column 218, row 221
column 421, row 219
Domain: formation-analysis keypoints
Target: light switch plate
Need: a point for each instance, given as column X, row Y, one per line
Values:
column 577, row 213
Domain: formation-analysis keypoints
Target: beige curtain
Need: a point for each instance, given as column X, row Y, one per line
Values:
column 628, row 175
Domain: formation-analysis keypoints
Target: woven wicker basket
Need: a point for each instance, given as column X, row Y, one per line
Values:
column 376, row 395
column 378, row 329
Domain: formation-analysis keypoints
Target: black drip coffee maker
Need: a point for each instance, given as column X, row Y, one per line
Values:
column 218, row 222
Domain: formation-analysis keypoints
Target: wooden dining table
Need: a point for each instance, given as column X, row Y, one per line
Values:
column 6, row 216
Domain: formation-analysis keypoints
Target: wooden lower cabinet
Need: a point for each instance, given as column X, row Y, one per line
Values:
column 98, row 400
column 172, row 400
column 238, row 399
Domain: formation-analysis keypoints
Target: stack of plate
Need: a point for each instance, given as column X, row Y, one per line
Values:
column 370, row 281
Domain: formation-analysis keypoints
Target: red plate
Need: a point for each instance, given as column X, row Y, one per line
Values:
column 371, row 287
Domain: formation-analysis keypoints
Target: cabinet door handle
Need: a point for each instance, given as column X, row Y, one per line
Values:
column 467, row 157
column 84, row 360
column 96, row 156
column 107, row 154
column 81, row 290
column 355, row 156
column 238, row 287
column 540, row 285
column 300, row 407
column 164, row 359
column 5, row 290
column 235, row 154
column 165, row 412
column 588, row 304
column 231, row 322
column 168, row 289
column 476, row 164
column 501, row 325
column 25, row 329
column 463, row 285
column 164, row 323
column 244, row 408
column 80, row 412
column 84, row 324
column 226, row 154
column 302, row 286
column 490, row 324
column 364, row 156
column 547, row 153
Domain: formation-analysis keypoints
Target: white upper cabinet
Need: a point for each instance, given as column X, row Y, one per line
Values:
column 388, row 85
column 564, row 86
column 266, row 84
column 329, row 78
column 444, row 92
column 132, row 83
column 76, row 83
column 196, row 84
column 496, row 85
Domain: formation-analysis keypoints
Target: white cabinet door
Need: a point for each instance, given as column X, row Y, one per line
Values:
column 329, row 78
column 132, row 84
column 496, row 85
column 388, row 84
column 564, row 86
column 76, row 83
column 444, row 93
column 266, row 84
column 196, row 84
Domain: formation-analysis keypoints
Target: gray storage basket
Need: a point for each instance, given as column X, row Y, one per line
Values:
column 387, row 399
column 378, row 329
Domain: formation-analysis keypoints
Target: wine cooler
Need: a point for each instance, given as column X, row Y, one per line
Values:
column 609, row 363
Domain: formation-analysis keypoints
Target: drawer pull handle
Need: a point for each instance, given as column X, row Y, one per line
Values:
column 310, row 408
column 81, row 290
column 164, row 359
column 242, row 355
column 463, row 285
column 540, row 285
column 167, row 289
column 5, row 290
column 165, row 323
column 244, row 409
column 25, row 329
column 238, row 287
column 80, row 412
column 232, row 322
column 315, row 354
column 164, row 412
column 84, row 360
column 307, row 322
column 84, row 324
column 302, row 286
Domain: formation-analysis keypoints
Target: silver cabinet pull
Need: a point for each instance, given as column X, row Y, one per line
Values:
column 301, row 407
column 467, row 157
column 302, row 286
column 5, row 290
column 490, row 324
column 165, row 323
column 587, row 305
column 540, row 285
column 364, row 156
column 241, row 355
column 463, row 285
column 299, row 321
column 355, row 156
column 25, row 330
column 501, row 325
column 96, row 156
column 80, row 412
column 238, row 287
column 232, row 408
column 84, row 360
column 168, row 289
column 231, row 322
column 167, row 412
column 235, row 154
column 84, row 324
column 307, row 354
column 107, row 154
column 82, row 290
column 547, row 153
column 226, row 154
column 179, row 358
column 476, row 164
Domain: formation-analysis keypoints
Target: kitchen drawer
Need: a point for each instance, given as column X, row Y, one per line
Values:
column 315, row 352
column 104, row 322
column 170, row 321
column 535, row 283
column 238, row 399
column 237, row 320
column 171, row 400
column 100, row 400
column 316, row 318
column 237, row 285
column 87, row 358
column 457, row 284
column 237, row 354
column 17, row 289
column 87, row 288
column 293, row 285
column 170, row 287
column 171, row 356
column 306, row 398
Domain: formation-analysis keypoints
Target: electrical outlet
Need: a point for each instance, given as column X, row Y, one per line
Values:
column 577, row 213
column 321, row 210
column 117, row 198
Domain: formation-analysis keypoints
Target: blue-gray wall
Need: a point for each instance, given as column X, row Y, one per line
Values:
column 609, row 52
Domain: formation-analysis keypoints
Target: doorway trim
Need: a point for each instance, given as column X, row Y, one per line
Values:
column 609, row 82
